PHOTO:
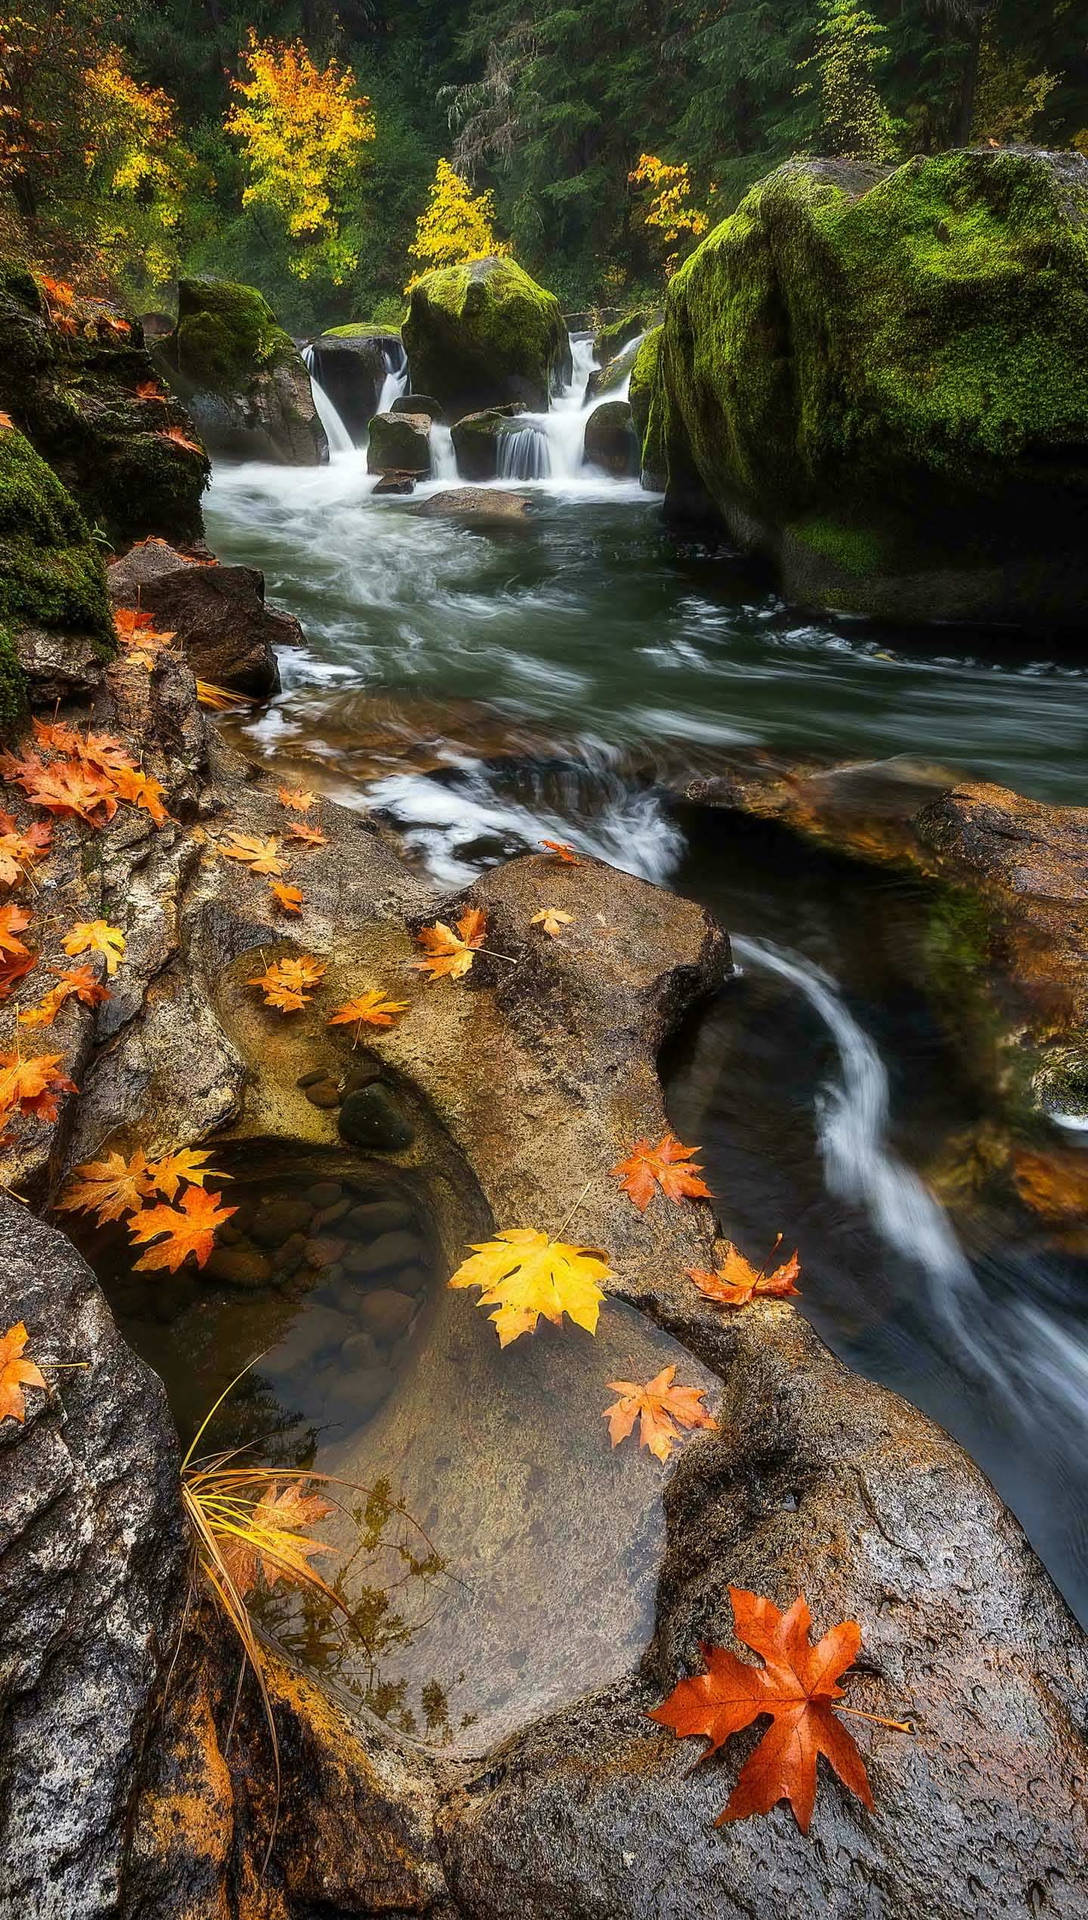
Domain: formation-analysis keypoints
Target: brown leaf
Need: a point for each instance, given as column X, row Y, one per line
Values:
column 563, row 853
column 298, row 798
column 261, row 856
column 449, row 954
column 288, row 898
column 737, row 1282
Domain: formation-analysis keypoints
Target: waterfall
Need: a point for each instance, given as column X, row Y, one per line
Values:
column 524, row 453
column 396, row 376
column 337, row 435
column 443, row 458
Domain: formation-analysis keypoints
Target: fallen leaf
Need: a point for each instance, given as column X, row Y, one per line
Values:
column 180, row 439
column 309, row 836
column 271, row 1541
column 298, row 798
column 76, row 983
column 182, row 1230
column 16, row 1372
column 737, row 1282
column 450, row 954
column 289, row 898
column 261, row 856
column 563, row 853
column 665, row 1166
column 796, row 1687
column 142, row 791
column 64, row 787
column 286, row 983
column 369, row 1009
column 13, row 921
column 552, row 920
column 96, row 936
column 32, row 1086
column 524, row 1275
column 149, row 390
column 6, row 421
column 12, row 968
column 176, row 1169
column 661, row 1410
column 20, row 851
column 108, row 1188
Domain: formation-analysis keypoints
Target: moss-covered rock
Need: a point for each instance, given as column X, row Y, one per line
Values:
column 610, row 382
column 399, row 443
column 80, row 383
column 52, row 580
column 351, row 363
column 611, row 441
column 241, row 376
column 483, row 334
column 476, row 440
column 617, row 334
column 879, row 377
column 647, row 407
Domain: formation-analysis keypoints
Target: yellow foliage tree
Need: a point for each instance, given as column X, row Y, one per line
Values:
column 301, row 127
column 138, row 171
column 454, row 226
column 670, row 210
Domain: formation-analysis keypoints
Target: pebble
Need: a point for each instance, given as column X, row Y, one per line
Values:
column 414, row 1280
column 323, row 1250
column 239, row 1266
column 362, row 1074
column 317, row 1330
column 311, row 1079
column 335, row 1211
column 324, row 1093
column 277, row 1218
column 380, row 1216
column 385, row 1313
column 372, row 1117
column 360, row 1350
column 324, row 1193
column 384, row 1255
column 289, row 1257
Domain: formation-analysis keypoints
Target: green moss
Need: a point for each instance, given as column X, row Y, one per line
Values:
column 51, row 573
column 644, row 381
column 484, row 333
column 225, row 335
column 12, row 683
column 918, row 334
column 361, row 330
column 611, row 339
column 855, row 550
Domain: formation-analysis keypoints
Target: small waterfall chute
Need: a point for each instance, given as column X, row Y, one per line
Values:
column 443, row 458
column 523, row 451
column 396, row 375
column 337, row 435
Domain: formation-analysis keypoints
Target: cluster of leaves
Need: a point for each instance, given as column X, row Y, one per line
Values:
column 143, row 1193
column 670, row 210
column 455, row 225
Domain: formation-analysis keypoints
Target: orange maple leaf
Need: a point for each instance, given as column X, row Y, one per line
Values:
column 271, row 1541
column 76, row 983
column 737, row 1282
column 142, row 791
column 108, row 1188
column 12, row 968
column 666, row 1166
column 66, row 786
column 16, row 1372
column 6, row 420
column 796, row 1687
column 289, row 898
column 149, row 390
column 32, row 1086
column 449, row 954
column 261, row 856
column 563, row 853
column 180, row 439
column 186, row 1167
column 300, row 799
column 20, row 851
column 310, row 836
column 13, row 921
column 286, row 983
column 188, row 1228
column 370, row 1009
column 660, row 1409
column 552, row 920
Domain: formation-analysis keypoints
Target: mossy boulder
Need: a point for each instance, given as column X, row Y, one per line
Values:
column 351, row 363
column 476, row 440
column 484, row 334
column 53, row 596
column 611, row 441
column 81, row 385
column 647, row 407
column 399, row 443
column 241, row 376
column 610, row 381
column 879, row 378
column 617, row 334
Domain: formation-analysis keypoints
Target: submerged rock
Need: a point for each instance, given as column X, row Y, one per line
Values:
column 372, row 1117
column 399, row 443
column 611, row 440
column 228, row 634
column 483, row 334
column 871, row 377
column 351, row 364
column 241, row 376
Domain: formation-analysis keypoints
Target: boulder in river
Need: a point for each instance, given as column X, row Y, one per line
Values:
column 610, row 339
column 476, row 440
column 351, row 364
column 483, row 506
column 611, row 379
column 399, row 443
column 878, row 378
column 418, row 403
column 485, row 333
column 55, row 622
column 647, row 408
column 611, row 440
column 241, row 376
column 228, row 634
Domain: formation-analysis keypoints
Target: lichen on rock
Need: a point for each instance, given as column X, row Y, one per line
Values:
column 485, row 333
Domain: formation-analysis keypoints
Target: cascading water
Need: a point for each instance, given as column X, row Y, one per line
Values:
column 443, row 458
column 337, row 435
column 524, row 454
column 396, row 376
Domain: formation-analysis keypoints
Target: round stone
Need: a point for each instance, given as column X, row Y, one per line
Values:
column 277, row 1218
column 323, row 1093
column 372, row 1117
column 385, row 1313
column 372, row 1217
column 239, row 1266
column 324, row 1193
column 384, row 1255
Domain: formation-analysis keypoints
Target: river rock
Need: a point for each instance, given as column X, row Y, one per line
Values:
column 418, row 403
column 610, row 339
column 131, row 461
column 372, row 1117
column 476, row 506
column 374, row 1217
column 351, row 364
column 868, row 380
column 484, row 334
column 647, row 409
column 228, row 633
column 611, row 440
column 476, row 440
column 278, row 1217
column 239, row 1266
column 399, row 443
column 241, row 376
column 398, row 483
column 383, row 1255
column 386, row 1313
column 613, row 377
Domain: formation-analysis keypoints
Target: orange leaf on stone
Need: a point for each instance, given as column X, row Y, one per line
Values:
column 286, row 984
column 74, row 983
column 17, row 1371
column 149, row 390
column 668, row 1166
column 181, row 1231
column 261, row 856
column 108, row 1188
column 369, row 1009
column 309, row 836
column 288, row 898
column 450, row 954
column 20, row 851
column 13, row 921
column 6, row 421
column 300, row 799
column 186, row 1167
column 180, row 439
column 737, row 1282
column 142, row 791
column 796, row 1687
column 97, row 936
column 31, row 1086
column 661, row 1410
column 552, row 921
column 562, row 852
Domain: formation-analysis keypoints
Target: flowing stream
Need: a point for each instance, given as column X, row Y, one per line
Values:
column 555, row 678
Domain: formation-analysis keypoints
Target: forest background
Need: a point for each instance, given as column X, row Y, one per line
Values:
column 306, row 149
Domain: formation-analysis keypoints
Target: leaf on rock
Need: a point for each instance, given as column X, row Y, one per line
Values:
column 32, row 1086
column 17, row 1371
column 13, row 921
column 562, row 852
column 796, row 1686
column 369, row 1009
column 20, row 851
column 97, row 936
column 180, row 439
column 142, row 791
column 661, row 1409
column 300, row 799
column 149, row 390
column 182, row 1230
column 737, row 1282
column 552, row 919
column 289, row 899
column 286, row 983
column 668, row 1166
column 108, row 1188
column 260, row 856
column 12, row 968
column 449, row 954
column 524, row 1276
column 73, row 983
column 309, row 836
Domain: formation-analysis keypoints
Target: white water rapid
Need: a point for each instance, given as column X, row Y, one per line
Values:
column 396, row 378
column 337, row 435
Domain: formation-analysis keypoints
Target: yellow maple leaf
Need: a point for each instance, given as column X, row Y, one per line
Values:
column 109, row 1188
column 260, row 856
column 17, row 1371
column 552, row 920
column 524, row 1275
column 96, row 936
column 450, row 954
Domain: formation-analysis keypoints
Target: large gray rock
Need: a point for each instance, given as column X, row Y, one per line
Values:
column 611, row 440
column 351, row 364
column 399, row 443
column 483, row 334
column 476, row 440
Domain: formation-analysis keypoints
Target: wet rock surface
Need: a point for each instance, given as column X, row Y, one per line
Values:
column 241, row 376
column 398, row 443
column 351, row 364
column 229, row 633
column 483, row 506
